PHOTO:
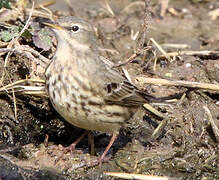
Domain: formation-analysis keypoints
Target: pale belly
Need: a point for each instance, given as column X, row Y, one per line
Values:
column 84, row 110
column 94, row 118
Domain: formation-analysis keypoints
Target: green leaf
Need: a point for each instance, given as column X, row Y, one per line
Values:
column 6, row 36
column 10, row 33
column 5, row 3
column 14, row 30
column 42, row 39
column 27, row 34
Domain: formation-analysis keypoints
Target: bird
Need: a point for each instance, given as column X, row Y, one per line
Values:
column 84, row 87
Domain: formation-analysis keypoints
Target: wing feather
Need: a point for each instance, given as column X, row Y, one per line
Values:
column 120, row 90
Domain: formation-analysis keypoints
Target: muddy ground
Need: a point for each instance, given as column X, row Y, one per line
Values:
column 32, row 138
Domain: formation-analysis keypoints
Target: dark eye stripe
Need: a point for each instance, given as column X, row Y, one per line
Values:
column 67, row 28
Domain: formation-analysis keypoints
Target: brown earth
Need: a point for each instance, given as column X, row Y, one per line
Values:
column 187, row 147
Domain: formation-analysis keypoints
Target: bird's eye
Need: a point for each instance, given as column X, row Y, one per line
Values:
column 75, row 28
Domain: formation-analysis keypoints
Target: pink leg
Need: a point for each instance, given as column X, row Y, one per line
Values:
column 72, row 146
column 113, row 138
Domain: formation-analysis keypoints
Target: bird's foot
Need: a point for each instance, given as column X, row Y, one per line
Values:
column 71, row 148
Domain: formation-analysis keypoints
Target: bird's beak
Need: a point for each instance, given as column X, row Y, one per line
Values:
column 54, row 26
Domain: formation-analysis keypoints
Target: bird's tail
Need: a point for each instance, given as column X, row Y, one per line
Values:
column 164, row 99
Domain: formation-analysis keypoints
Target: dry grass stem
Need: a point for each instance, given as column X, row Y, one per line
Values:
column 144, row 28
column 176, row 46
column 157, row 132
column 136, row 176
column 31, row 90
column 38, row 13
column 28, row 52
column 109, row 9
column 213, row 123
column 45, row 4
column 160, row 49
column 3, row 44
column 131, row 58
column 18, row 87
column 155, row 63
column 49, row 12
column 191, row 53
column 156, row 81
column 22, row 81
column 153, row 110
column 181, row 99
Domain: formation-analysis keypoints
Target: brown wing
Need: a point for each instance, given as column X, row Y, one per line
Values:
column 126, row 94
column 119, row 89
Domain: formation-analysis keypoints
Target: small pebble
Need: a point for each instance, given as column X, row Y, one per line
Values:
column 168, row 74
column 188, row 65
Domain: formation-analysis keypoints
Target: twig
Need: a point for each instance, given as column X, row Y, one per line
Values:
column 213, row 124
column 27, row 23
column 136, row 176
column 45, row 4
column 48, row 11
column 21, row 82
column 46, row 140
column 155, row 61
column 35, row 53
column 109, row 8
column 17, row 87
column 14, row 100
column 28, row 89
column 176, row 46
column 134, row 35
column 190, row 53
column 27, row 51
column 159, row 129
column 153, row 110
column 144, row 27
column 130, row 59
column 181, row 99
column 156, row 81
column 157, row 132
column 3, row 44
column 37, row 13
column 160, row 49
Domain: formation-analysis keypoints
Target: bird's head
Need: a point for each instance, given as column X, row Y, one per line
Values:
column 73, row 31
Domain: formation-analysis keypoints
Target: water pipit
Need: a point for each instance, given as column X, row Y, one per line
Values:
column 82, row 85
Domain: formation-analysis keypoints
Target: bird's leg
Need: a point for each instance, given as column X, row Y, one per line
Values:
column 71, row 147
column 91, row 143
column 113, row 138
